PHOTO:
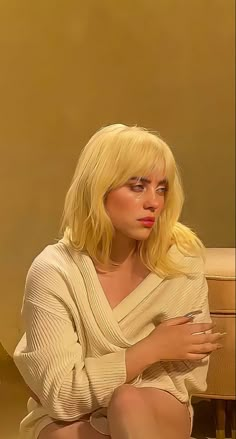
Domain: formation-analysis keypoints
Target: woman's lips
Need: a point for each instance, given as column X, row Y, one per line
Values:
column 147, row 223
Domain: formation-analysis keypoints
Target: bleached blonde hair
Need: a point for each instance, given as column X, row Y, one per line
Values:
column 112, row 156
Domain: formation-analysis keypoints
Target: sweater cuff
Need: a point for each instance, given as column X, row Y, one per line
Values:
column 105, row 374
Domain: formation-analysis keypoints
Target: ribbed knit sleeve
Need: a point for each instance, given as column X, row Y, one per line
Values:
column 49, row 356
column 189, row 377
column 195, row 374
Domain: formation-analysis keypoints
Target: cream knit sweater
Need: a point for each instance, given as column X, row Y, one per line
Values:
column 72, row 354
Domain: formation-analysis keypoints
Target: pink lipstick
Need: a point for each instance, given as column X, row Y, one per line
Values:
column 147, row 222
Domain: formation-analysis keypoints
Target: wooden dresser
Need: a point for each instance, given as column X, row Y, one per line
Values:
column 220, row 274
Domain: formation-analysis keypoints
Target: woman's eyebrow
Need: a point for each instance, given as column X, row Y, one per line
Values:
column 146, row 180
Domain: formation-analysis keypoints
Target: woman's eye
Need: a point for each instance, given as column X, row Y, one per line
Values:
column 137, row 186
column 161, row 190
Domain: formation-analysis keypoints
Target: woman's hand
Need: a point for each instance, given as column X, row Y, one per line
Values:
column 178, row 339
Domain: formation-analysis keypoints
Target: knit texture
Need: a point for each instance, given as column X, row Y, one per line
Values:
column 72, row 355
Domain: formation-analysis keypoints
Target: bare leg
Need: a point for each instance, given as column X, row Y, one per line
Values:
column 137, row 413
column 173, row 417
column 129, row 416
column 75, row 430
column 133, row 413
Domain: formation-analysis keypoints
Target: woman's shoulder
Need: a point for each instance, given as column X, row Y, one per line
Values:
column 54, row 257
column 191, row 260
column 48, row 281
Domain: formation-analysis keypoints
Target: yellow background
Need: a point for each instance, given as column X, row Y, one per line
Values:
column 69, row 67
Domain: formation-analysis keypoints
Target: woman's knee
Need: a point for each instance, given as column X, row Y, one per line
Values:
column 162, row 402
column 126, row 397
column 166, row 407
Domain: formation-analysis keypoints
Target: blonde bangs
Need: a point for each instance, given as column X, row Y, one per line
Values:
column 136, row 152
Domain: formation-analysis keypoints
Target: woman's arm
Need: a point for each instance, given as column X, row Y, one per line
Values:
column 195, row 372
column 190, row 376
column 50, row 358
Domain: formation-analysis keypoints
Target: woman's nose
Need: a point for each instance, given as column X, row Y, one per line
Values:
column 153, row 201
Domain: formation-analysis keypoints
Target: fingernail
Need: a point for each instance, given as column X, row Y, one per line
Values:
column 219, row 346
column 193, row 313
column 223, row 333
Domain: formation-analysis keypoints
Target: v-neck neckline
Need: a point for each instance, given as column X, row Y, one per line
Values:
column 103, row 292
column 97, row 295
column 132, row 299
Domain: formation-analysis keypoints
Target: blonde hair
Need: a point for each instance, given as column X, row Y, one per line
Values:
column 112, row 156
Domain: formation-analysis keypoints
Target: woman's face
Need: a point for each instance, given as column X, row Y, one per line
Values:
column 135, row 200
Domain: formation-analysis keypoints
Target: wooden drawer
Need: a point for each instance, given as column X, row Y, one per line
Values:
column 221, row 295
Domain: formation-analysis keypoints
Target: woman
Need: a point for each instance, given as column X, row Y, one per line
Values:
column 107, row 349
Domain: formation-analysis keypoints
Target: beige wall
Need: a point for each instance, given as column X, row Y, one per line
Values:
column 67, row 68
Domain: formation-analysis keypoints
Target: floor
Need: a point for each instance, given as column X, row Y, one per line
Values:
column 204, row 422
column 13, row 398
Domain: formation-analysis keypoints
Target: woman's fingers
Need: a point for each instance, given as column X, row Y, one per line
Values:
column 194, row 357
column 177, row 321
column 205, row 348
column 199, row 327
column 208, row 338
